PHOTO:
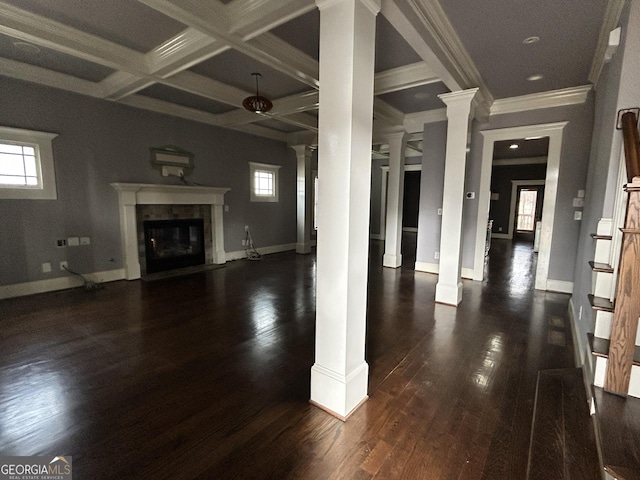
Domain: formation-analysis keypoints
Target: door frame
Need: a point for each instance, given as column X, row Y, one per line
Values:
column 555, row 133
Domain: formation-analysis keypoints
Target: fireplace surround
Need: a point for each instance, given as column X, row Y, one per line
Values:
column 130, row 195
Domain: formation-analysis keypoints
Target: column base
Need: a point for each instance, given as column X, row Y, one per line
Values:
column 391, row 261
column 337, row 394
column 303, row 248
column 449, row 294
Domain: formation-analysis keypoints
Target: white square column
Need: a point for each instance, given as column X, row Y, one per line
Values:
column 459, row 109
column 395, row 196
column 304, row 187
column 339, row 377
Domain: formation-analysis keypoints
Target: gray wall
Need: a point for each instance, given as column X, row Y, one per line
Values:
column 572, row 177
column 617, row 88
column 434, row 142
column 501, row 178
column 100, row 142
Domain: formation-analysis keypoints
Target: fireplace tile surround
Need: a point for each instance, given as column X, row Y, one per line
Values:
column 137, row 200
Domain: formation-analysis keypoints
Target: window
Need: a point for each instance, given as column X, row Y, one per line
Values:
column 264, row 182
column 26, row 165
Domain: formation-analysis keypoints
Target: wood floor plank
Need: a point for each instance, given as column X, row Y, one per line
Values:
column 207, row 375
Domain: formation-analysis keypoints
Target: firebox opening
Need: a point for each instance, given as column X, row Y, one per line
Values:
column 173, row 244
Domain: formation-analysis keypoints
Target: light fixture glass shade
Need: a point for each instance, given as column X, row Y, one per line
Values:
column 257, row 103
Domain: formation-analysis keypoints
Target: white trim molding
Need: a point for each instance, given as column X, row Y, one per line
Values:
column 555, row 133
column 132, row 194
column 59, row 283
column 561, row 286
column 535, row 101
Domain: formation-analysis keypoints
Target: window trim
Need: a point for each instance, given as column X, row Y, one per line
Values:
column 264, row 167
column 42, row 142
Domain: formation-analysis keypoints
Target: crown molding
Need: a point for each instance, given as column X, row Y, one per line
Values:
column 611, row 19
column 401, row 78
column 534, row 101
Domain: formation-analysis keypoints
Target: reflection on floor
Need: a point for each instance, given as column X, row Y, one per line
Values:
column 207, row 375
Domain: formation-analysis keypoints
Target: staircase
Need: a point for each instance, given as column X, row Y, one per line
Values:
column 615, row 343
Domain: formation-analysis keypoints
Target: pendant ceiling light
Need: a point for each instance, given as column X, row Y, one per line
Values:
column 256, row 103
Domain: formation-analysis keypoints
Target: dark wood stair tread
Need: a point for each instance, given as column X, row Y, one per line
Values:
column 600, row 303
column 600, row 348
column 600, row 267
column 618, row 421
column 563, row 441
column 595, row 236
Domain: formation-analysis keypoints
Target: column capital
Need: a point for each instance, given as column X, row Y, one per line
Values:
column 302, row 150
column 459, row 97
column 373, row 5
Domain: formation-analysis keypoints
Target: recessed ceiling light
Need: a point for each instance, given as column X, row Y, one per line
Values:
column 535, row 77
column 513, row 146
column 26, row 47
column 530, row 40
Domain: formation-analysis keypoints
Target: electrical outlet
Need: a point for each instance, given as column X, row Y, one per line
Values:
column 85, row 240
column 436, row 255
column 64, row 264
column 73, row 241
column 246, row 228
column 46, row 267
column 440, row 211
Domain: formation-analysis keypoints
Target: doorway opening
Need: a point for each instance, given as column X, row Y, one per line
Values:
column 486, row 197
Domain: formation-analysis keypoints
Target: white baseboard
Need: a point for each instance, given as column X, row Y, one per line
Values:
column 435, row 268
column 410, row 229
column 239, row 254
column 376, row 236
column 559, row 286
column 59, row 283
column 426, row 267
column 501, row 235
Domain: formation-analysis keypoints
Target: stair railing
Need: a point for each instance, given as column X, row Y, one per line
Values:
column 627, row 301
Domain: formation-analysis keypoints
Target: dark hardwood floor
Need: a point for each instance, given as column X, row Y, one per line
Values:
column 207, row 375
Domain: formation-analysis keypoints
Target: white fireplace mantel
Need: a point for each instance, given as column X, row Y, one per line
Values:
column 132, row 194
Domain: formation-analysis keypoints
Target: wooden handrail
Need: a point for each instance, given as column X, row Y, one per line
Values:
column 631, row 144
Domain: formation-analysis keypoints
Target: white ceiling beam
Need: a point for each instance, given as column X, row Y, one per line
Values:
column 120, row 84
column 49, row 78
column 207, row 88
column 401, row 78
column 383, row 111
column 303, row 120
column 186, row 49
column 260, row 16
column 416, row 40
column 198, row 15
column 48, row 33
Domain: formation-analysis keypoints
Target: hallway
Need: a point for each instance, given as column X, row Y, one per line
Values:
column 207, row 376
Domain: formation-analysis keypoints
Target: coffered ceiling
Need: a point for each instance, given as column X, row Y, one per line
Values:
column 194, row 58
